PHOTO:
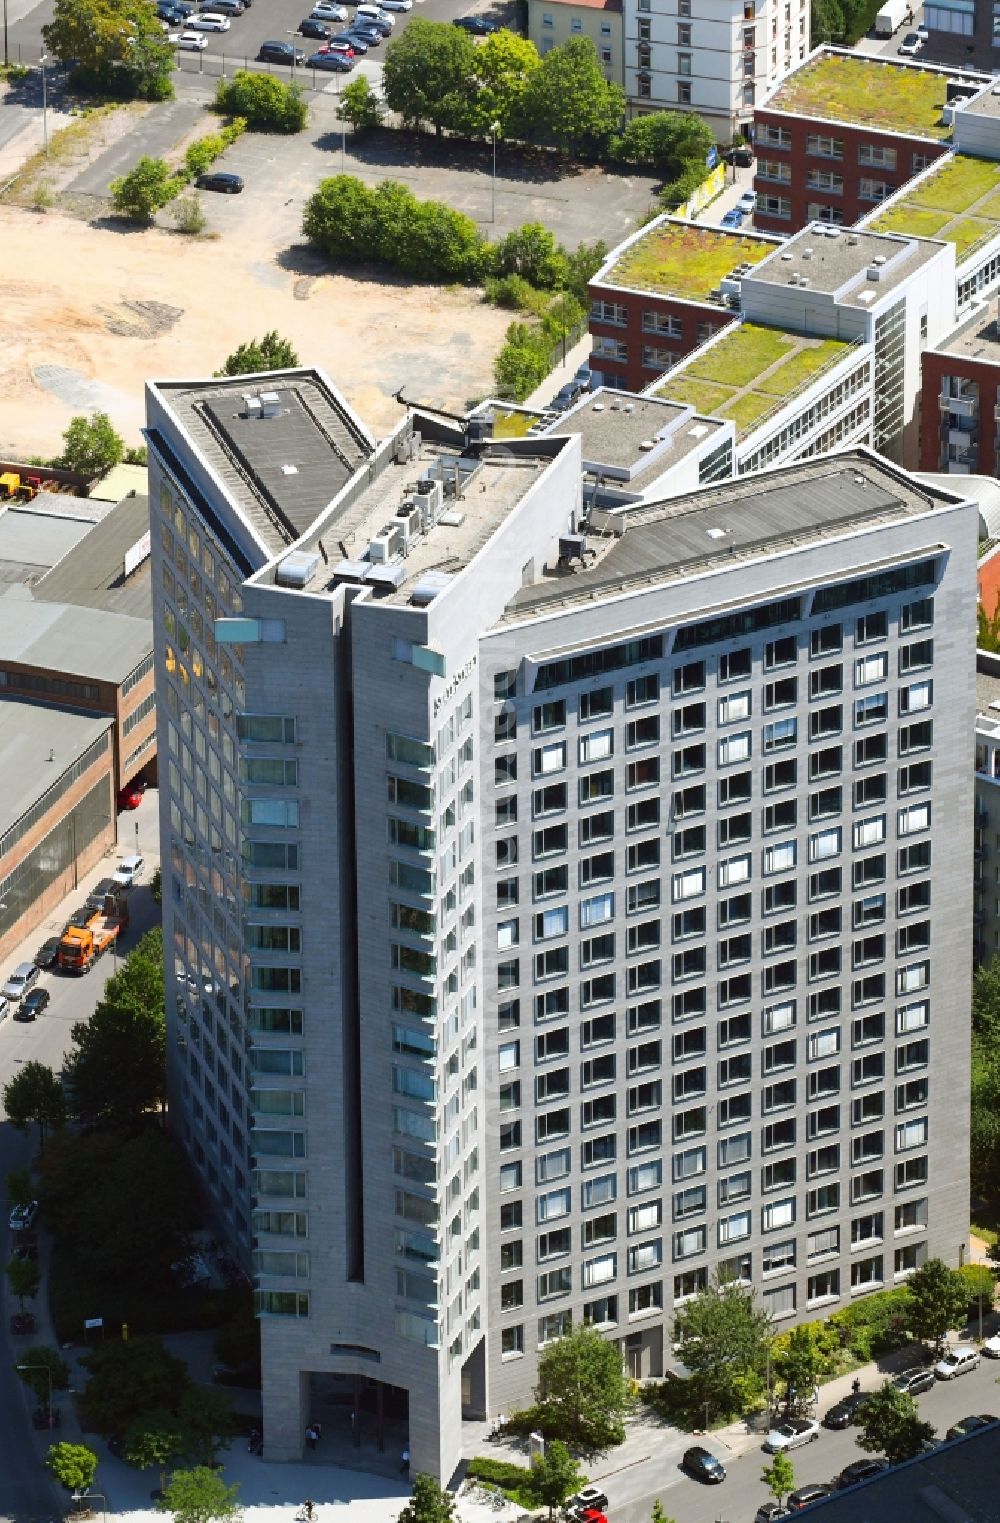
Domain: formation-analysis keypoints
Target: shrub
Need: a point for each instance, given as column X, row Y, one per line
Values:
column 360, row 106
column 523, row 362
column 141, row 193
column 189, row 216
column 979, row 1279
column 875, row 1324
column 501, row 1473
column 388, row 225
column 202, row 153
column 264, row 102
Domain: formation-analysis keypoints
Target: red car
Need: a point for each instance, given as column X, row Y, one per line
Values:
column 130, row 797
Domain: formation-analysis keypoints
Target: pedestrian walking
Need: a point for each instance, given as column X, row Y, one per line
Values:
column 311, row 1436
column 318, row 1430
column 856, row 1386
column 404, row 1466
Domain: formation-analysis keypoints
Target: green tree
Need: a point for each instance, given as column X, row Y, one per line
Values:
column 339, row 218
column 530, row 251
column 206, row 1419
column 827, row 21
column 503, row 65
column 115, row 1072
column 360, row 106
column 272, row 352
column 141, row 193
column 154, row 1440
column 938, row 1299
column 24, row 1277
column 73, row 1465
column 426, row 74
column 31, row 1367
column 723, row 1339
column 90, row 445
column 115, row 46
column 35, row 1097
column 200, row 1495
column 980, row 1281
column 130, row 1379
column 779, row 1477
column 567, row 99
column 986, row 1002
column 264, row 102
column 582, row 264
column 666, row 141
column 430, row 1503
column 19, row 1187
column 891, row 1424
column 555, row 1475
column 658, row 1515
column 522, row 363
column 582, row 1392
column 801, row 1364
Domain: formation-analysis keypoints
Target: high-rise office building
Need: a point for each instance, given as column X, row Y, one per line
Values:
column 554, row 918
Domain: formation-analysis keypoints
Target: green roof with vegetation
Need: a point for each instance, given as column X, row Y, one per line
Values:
column 959, row 202
column 679, row 259
column 750, row 373
column 849, row 87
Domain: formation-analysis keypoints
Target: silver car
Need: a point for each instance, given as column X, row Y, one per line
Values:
column 23, row 978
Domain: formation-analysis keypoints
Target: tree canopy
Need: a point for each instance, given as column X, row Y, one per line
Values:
column 779, row 1476
column 582, row 1392
column 430, row 1503
column 723, row 1339
column 73, row 1465
column 116, row 1070
column 426, row 73
column 90, row 445
column 34, row 1097
column 24, row 1277
column 32, row 1364
column 348, row 221
column 567, row 100
column 938, row 1301
column 128, row 1378
column 143, row 191
column 985, row 1117
column 116, row 46
column 265, row 103
column 891, row 1424
column 200, row 1495
column 272, row 352
column 555, row 1475
column 666, row 141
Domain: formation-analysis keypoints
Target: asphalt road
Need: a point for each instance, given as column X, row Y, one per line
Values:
column 736, row 1500
column 25, row 1493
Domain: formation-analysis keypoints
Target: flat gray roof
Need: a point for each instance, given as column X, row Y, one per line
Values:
column 93, row 575
column 35, row 537
column 988, row 684
column 987, row 102
column 282, row 462
column 837, row 260
column 613, row 426
column 978, row 338
column 796, row 504
column 955, row 1484
column 61, row 637
column 29, row 734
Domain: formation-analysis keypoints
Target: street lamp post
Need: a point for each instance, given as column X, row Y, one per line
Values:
column 48, row 1372
column 494, row 129
column 45, row 139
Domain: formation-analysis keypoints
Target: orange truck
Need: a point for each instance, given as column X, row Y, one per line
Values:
column 82, row 945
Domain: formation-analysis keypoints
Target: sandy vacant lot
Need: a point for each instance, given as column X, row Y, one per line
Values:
column 87, row 314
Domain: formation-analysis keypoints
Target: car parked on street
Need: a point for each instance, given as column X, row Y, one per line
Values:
column 477, row 25
column 791, row 1434
column 703, row 1465
column 209, row 21
column 732, row 218
column 845, row 1411
column 910, row 45
column 861, row 1470
column 222, row 180
column 326, row 10
column 23, row 978
column 191, row 42
column 330, row 61
column 812, row 1491
column 748, row 203
column 769, row 1512
column 32, row 1005
column 128, row 871
column 970, row 1424
column 310, row 27
column 280, row 52
column 920, row 1378
column 587, row 1496
column 991, row 1348
column 957, row 1361
column 23, row 1217
column 45, row 957
column 99, row 892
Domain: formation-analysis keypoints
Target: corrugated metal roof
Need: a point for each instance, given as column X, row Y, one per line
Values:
column 92, row 576
column 61, row 637
column 29, row 734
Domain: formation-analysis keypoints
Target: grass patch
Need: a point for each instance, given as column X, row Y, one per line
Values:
column 916, row 221
column 511, row 425
column 746, row 410
column 967, row 232
column 990, row 207
column 958, row 185
column 807, row 361
column 855, row 89
column 72, row 142
column 701, row 395
column 684, row 260
column 739, row 358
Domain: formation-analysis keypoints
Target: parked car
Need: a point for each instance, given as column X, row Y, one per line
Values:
column 32, row 1005
column 742, row 156
column 222, row 180
column 23, row 1217
column 748, row 203
column 732, row 218
column 280, row 52
column 130, row 797
column 348, row 39
column 565, row 397
column 957, row 1361
column 4, row 1008
column 991, row 1348
column 584, row 377
column 920, row 1378
column 703, row 1465
column 812, row 1491
column 911, row 44
column 373, row 15
column 23, row 978
column 368, row 34
column 923, row 32
column 791, row 1434
column 45, row 957
column 310, row 27
column 861, row 1470
column 397, row 5
column 209, row 21
column 845, row 1411
column 128, row 870
column 477, row 25
column 99, row 892
column 191, row 42
column 325, row 10
column 331, row 61
column 769, row 1512
column 588, row 1496
column 970, row 1424
column 79, row 918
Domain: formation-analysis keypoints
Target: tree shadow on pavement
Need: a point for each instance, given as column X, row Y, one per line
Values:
column 386, row 147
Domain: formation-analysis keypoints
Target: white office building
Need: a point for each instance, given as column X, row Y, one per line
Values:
column 552, row 917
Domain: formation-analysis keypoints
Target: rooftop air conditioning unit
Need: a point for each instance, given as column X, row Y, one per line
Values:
column 874, row 272
column 251, row 406
column 880, row 260
column 629, row 407
column 807, row 253
column 269, row 404
column 409, row 518
column 386, row 544
column 429, row 497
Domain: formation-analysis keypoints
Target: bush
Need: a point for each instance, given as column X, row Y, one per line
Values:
column 388, row 225
column 515, row 292
column 189, row 216
column 360, row 106
column 874, row 1325
column 141, row 193
column 979, row 1279
column 523, row 362
column 264, row 102
column 202, row 153
column 501, row 1473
